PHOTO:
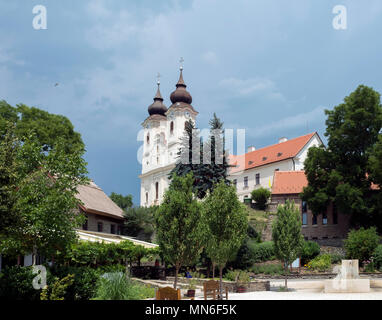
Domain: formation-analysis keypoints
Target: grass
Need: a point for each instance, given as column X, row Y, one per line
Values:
column 269, row 269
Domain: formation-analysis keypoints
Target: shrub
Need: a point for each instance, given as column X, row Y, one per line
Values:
column 378, row 257
column 270, row 269
column 116, row 286
column 337, row 258
column 262, row 251
column 232, row 275
column 360, row 244
column 58, row 289
column 16, row 284
column 321, row 262
column 310, row 250
column 85, row 281
column 261, row 196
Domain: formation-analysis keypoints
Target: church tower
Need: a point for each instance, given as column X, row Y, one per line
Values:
column 163, row 130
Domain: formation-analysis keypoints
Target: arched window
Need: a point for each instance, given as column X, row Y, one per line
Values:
column 147, row 197
column 156, row 190
column 148, row 138
column 172, row 127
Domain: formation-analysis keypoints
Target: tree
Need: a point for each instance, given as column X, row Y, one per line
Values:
column 261, row 196
column 140, row 223
column 179, row 227
column 48, row 128
column 339, row 173
column 42, row 195
column 286, row 235
column 191, row 157
column 360, row 244
column 226, row 220
column 124, row 202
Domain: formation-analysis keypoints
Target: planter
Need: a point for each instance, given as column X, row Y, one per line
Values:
column 191, row 293
column 241, row 289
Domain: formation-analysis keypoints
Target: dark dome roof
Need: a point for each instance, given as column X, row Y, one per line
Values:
column 157, row 107
column 181, row 94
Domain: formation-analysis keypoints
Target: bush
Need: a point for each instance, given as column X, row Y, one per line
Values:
column 262, row 251
column 116, row 286
column 16, row 284
column 271, row 269
column 57, row 290
column 310, row 250
column 378, row 257
column 360, row 244
column 337, row 258
column 232, row 275
column 321, row 262
column 261, row 196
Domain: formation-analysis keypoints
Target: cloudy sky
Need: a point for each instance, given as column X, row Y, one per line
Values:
column 268, row 66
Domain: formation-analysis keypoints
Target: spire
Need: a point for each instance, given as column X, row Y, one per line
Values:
column 157, row 107
column 181, row 94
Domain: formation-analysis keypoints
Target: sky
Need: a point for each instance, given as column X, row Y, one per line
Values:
column 270, row 67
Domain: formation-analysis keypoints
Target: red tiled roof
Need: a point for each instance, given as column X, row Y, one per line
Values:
column 289, row 182
column 274, row 153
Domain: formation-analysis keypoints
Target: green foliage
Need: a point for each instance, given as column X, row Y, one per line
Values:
column 310, row 250
column 286, row 233
column 180, row 231
column 226, row 220
column 261, row 197
column 269, row 269
column 360, row 244
column 116, row 286
column 124, row 202
column 377, row 255
column 16, row 284
column 140, row 222
column 337, row 258
column 58, row 289
column 343, row 172
column 48, row 128
column 321, row 262
column 206, row 173
column 264, row 251
column 43, row 206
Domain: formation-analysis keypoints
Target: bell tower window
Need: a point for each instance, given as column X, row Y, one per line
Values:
column 172, row 127
column 148, row 138
column 156, row 190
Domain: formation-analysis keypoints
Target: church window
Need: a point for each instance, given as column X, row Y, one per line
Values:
column 245, row 182
column 147, row 197
column 148, row 139
column 257, row 178
column 172, row 127
column 156, row 190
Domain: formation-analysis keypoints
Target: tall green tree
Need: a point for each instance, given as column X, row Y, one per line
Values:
column 42, row 191
column 179, row 227
column 207, row 160
column 339, row 173
column 140, row 222
column 286, row 235
column 124, row 202
column 226, row 220
column 48, row 128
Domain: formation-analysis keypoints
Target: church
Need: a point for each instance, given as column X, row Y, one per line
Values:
column 164, row 128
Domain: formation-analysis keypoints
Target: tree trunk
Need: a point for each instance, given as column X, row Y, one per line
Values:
column 34, row 254
column 221, row 283
column 176, row 275
column 286, row 277
column 213, row 270
column 208, row 270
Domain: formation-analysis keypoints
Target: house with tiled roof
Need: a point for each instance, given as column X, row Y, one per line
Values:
column 257, row 168
column 328, row 228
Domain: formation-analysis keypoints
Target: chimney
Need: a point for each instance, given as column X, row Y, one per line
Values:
column 250, row 149
column 283, row 139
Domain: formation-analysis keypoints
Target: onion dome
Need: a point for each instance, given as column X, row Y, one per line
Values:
column 157, row 107
column 181, row 94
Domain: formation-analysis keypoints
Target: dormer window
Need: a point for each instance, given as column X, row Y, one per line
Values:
column 265, row 158
column 279, row 154
column 250, row 162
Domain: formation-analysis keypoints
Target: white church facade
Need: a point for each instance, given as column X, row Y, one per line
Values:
column 164, row 128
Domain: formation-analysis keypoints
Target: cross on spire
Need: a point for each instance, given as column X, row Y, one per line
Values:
column 181, row 63
column 158, row 78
